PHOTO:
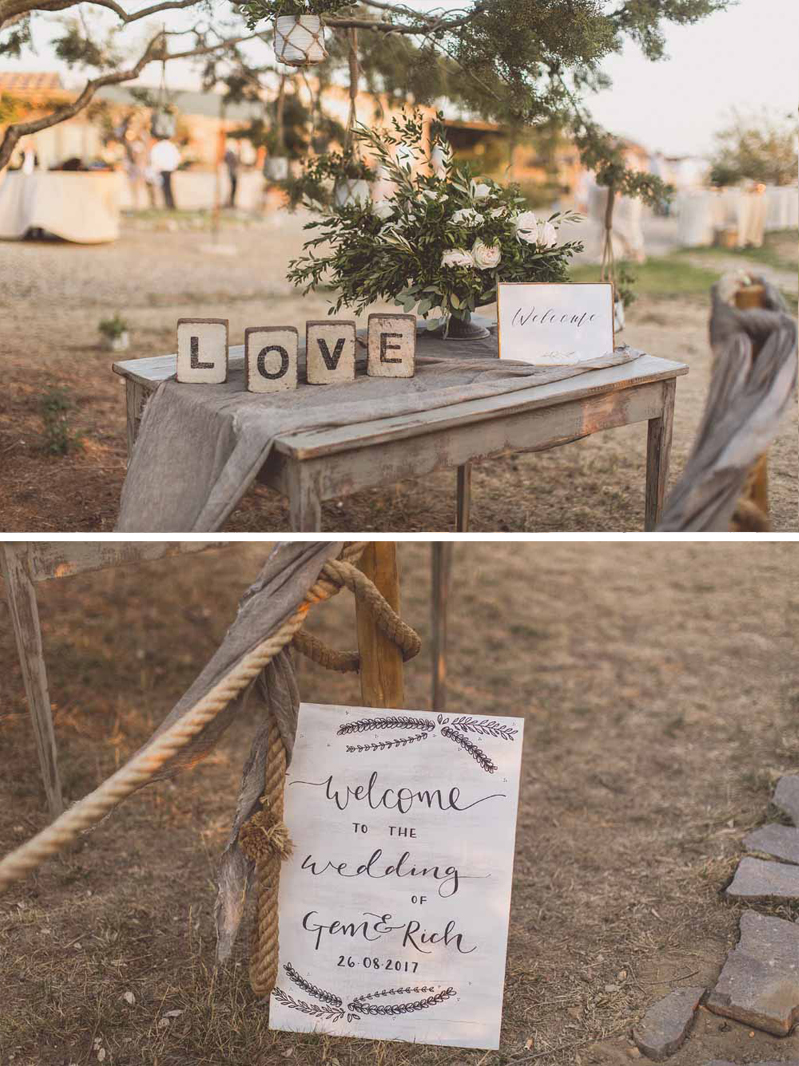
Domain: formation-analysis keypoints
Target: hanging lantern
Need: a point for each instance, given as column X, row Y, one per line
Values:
column 276, row 168
column 349, row 192
column 300, row 40
column 163, row 124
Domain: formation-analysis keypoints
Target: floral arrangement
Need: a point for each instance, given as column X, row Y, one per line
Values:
column 439, row 245
column 112, row 328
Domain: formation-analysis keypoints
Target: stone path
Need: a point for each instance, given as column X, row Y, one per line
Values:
column 664, row 1027
column 759, row 984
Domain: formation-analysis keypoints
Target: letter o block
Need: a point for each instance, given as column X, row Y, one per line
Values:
column 392, row 346
column 270, row 358
column 202, row 351
column 330, row 351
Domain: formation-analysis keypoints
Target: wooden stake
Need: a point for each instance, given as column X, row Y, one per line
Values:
column 442, row 573
column 381, row 660
column 757, row 492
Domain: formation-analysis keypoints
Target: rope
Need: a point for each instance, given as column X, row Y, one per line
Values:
column 341, row 662
column 94, row 807
column 268, row 858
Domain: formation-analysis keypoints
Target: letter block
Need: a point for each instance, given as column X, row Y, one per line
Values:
column 202, row 351
column 392, row 346
column 330, row 347
column 271, row 355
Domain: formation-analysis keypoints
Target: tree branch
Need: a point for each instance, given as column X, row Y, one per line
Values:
column 15, row 131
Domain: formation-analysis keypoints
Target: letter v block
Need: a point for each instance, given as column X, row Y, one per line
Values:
column 392, row 346
column 202, row 351
column 330, row 348
column 270, row 358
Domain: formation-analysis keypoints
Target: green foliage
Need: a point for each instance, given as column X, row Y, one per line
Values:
column 10, row 108
column 439, row 245
column 256, row 10
column 56, row 406
column 14, row 39
column 113, row 327
column 625, row 285
column 77, row 49
column 756, row 147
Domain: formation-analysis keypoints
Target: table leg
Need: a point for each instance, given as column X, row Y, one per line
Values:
column 442, row 573
column 658, row 456
column 464, row 497
column 21, row 593
column 135, row 395
column 305, row 505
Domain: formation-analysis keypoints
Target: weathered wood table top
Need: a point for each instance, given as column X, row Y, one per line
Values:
column 315, row 466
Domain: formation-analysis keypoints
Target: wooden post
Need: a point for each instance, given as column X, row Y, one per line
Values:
column 757, row 490
column 442, row 572
column 21, row 593
column 381, row 660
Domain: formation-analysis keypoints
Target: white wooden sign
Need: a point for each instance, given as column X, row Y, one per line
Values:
column 394, row 907
column 555, row 325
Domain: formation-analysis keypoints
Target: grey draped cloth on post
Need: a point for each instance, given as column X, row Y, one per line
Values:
column 200, row 447
column 290, row 571
column 748, row 398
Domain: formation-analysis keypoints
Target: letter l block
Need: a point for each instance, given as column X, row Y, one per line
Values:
column 202, row 351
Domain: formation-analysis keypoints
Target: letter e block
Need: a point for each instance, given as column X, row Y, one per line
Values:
column 330, row 348
column 392, row 346
column 202, row 351
column 270, row 358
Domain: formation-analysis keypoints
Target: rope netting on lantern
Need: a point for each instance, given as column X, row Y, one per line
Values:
column 253, row 662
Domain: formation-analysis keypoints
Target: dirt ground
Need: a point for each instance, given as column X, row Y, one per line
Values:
column 660, row 688
column 55, row 294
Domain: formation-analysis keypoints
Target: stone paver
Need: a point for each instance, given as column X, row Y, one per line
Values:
column 779, row 841
column 759, row 985
column 664, row 1027
column 758, row 881
column 786, row 797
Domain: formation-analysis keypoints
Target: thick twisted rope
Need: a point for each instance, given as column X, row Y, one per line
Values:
column 264, row 839
column 268, row 854
column 141, row 768
column 386, row 619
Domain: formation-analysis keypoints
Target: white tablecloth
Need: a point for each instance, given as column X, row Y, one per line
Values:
column 703, row 212
column 76, row 205
column 782, row 207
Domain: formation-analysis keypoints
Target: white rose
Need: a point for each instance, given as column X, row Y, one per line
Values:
column 547, row 235
column 467, row 216
column 384, row 210
column 457, row 257
column 486, row 256
column 498, row 212
column 527, row 227
column 480, row 191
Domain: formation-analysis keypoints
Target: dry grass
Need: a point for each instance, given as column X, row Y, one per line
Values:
column 660, row 691
column 153, row 278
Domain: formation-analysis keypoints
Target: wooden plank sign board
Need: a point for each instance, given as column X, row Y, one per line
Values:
column 394, row 907
column 555, row 325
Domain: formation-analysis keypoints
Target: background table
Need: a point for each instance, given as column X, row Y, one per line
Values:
column 80, row 206
column 310, row 468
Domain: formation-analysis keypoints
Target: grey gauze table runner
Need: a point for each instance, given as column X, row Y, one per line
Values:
column 200, row 447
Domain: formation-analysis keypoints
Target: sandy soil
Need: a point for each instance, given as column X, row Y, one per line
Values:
column 56, row 293
column 659, row 684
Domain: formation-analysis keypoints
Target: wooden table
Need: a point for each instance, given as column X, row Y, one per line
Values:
column 310, row 468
